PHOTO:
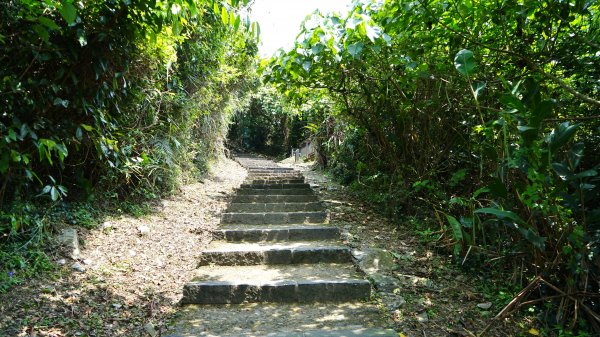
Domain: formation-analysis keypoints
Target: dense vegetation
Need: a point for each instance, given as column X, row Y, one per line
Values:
column 107, row 100
column 477, row 121
column 268, row 125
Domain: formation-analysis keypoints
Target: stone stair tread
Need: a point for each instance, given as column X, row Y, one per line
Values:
column 224, row 246
column 273, row 226
column 287, row 233
column 304, row 284
column 262, row 319
column 268, row 274
column 358, row 332
column 314, row 206
column 275, row 198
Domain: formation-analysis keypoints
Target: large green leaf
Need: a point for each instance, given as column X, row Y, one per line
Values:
column 465, row 62
column 355, row 49
column 502, row 214
column 68, row 12
column 561, row 135
column 457, row 233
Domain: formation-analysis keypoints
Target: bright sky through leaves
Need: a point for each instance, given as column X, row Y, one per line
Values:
column 280, row 20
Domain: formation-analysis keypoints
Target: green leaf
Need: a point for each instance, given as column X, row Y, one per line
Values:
column 562, row 170
column 456, row 233
column 465, row 62
column 68, row 12
column 355, row 49
column 306, row 65
column 49, row 23
column 42, row 32
column 561, row 135
column 81, row 37
column 575, row 155
column 224, row 16
column 531, row 236
column 87, row 127
column 478, row 88
column 502, row 214
column 584, row 174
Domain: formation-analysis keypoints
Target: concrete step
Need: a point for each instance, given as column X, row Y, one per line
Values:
column 250, row 254
column 270, row 170
column 276, row 319
column 274, row 191
column 276, row 186
column 274, row 218
column 275, row 180
column 271, row 198
column 280, row 233
column 285, row 283
column 358, row 332
column 275, row 207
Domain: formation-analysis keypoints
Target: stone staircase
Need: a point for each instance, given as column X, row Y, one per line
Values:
column 274, row 245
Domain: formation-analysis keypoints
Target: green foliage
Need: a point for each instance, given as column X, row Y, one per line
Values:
column 267, row 125
column 481, row 112
column 113, row 100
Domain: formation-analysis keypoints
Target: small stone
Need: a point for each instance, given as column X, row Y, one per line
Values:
column 116, row 305
column 485, row 305
column 132, row 253
column 61, row 262
column 78, row 267
column 150, row 329
column 68, row 238
column 384, row 283
column 376, row 260
column 144, row 230
column 47, row 290
column 87, row 262
column 422, row 317
column 393, row 302
column 106, row 226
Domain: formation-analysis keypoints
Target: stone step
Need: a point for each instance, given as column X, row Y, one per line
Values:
column 276, row 181
column 285, row 283
column 274, row 191
column 280, row 233
column 274, row 218
column 275, row 207
column 270, row 170
column 358, row 332
column 250, row 254
column 268, row 319
column 276, row 186
column 271, row 198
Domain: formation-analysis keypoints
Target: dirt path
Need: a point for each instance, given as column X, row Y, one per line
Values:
column 135, row 269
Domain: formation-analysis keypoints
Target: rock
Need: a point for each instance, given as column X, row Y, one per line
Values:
column 106, row 226
column 61, row 262
column 384, row 283
column 87, row 262
column 78, row 267
column 149, row 328
column 393, row 301
column 116, row 305
column 375, row 260
column 415, row 281
column 422, row 317
column 68, row 238
column 144, row 230
column 485, row 305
